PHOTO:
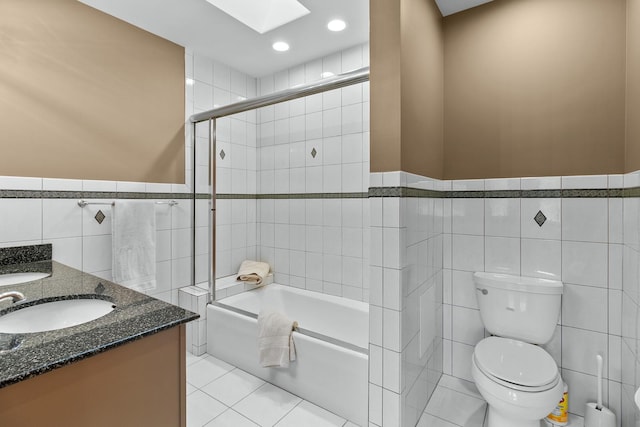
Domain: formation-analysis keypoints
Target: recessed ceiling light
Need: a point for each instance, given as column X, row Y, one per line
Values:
column 262, row 15
column 337, row 25
column 281, row 46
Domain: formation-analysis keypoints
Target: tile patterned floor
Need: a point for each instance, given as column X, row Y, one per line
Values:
column 220, row 395
column 457, row 403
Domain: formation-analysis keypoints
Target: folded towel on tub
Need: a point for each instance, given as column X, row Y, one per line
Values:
column 253, row 272
column 275, row 339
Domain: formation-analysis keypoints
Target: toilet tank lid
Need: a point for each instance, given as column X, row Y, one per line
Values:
column 534, row 285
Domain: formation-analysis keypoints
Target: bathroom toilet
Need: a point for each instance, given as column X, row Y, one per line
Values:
column 519, row 380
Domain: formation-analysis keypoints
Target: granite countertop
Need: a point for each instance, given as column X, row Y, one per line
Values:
column 135, row 316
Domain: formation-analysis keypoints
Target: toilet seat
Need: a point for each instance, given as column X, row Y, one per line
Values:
column 515, row 364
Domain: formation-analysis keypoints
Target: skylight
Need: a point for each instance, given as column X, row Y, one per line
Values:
column 262, row 15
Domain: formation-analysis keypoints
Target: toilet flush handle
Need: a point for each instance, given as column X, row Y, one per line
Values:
column 484, row 291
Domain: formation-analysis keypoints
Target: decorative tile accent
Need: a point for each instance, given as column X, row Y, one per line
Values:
column 314, row 153
column 222, row 154
column 100, row 217
column 540, row 218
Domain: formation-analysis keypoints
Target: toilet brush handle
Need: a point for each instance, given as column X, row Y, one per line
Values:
column 599, row 360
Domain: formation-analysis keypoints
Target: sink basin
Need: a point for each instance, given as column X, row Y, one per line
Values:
column 54, row 315
column 16, row 278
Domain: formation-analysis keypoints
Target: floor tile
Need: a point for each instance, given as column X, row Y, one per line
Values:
column 190, row 389
column 428, row 420
column 233, row 387
column 457, row 408
column 231, row 418
column 576, row 421
column 191, row 358
column 202, row 408
column 206, row 370
column 267, row 405
column 309, row 415
column 477, row 419
column 460, row 385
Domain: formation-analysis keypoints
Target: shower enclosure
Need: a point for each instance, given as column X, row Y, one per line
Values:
column 309, row 124
column 211, row 117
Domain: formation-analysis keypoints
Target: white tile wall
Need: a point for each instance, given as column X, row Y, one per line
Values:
column 195, row 299
column 269, row 151
column 316, row 244
column 405, row 302
column 80, row 242
column 217, row 85
column 579, row 243
column 629, row 260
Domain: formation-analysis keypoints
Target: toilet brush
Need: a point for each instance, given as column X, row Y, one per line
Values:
column 596, row 415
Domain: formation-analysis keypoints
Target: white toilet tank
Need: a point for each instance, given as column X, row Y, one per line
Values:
column 522, row 308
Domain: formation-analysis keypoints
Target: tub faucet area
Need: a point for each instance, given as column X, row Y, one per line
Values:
column 14, row 295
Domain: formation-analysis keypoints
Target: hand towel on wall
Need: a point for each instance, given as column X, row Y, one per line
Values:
column 275, row 339
column 253, row 272
column 134, row 244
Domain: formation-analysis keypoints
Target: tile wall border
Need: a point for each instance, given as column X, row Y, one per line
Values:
column 283, row 196
column 373, row 192
column 504, row 194
column 52, row 194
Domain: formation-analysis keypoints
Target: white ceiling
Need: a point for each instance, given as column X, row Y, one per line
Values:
column 449, row 7
column 207, row 30
column 200, row 26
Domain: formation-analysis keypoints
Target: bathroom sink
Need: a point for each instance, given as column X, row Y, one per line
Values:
column 16, row 278
column 54, row 315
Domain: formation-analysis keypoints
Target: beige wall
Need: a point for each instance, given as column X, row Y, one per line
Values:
column 633, row 87
column 534, row 88
column 406, row 87
column 385, row 73
column 84, row 95
column 422, row 88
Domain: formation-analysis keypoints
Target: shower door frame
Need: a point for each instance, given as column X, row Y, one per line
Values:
column 336, row 82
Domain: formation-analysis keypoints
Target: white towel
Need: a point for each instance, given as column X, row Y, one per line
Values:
column 275, row 339
column 253, row 272
column 134, row 244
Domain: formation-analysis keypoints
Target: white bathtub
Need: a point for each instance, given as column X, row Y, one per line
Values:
column 331, row 369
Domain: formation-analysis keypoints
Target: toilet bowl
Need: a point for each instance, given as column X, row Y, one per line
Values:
column 519, row 381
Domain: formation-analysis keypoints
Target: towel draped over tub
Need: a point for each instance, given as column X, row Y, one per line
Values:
column 275, row 339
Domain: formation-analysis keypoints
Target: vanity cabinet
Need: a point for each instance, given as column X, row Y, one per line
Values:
column 138, row 384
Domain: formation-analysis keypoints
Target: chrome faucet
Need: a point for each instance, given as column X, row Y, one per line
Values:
column 14, row 295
